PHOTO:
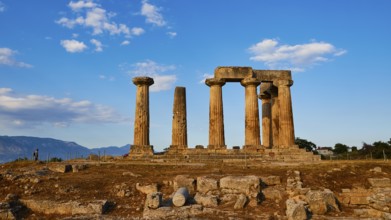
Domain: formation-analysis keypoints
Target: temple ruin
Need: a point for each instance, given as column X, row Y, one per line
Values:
column 278, row 136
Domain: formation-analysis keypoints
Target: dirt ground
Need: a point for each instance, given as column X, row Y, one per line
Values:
column 100, row 181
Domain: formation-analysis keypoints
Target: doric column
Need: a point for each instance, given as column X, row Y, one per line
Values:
column 266, row 119
column 141, row 119
column 252, row 130
column 286, row 128
column 179, row 121
column 216, row 116
column 275, row 116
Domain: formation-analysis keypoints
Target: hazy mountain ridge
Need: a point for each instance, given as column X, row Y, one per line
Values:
column 13, row 147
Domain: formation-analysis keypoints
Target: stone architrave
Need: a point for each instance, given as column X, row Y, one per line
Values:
column 216, row 116
column 275, row 116
column 141, row 144
column 252, row 129
column 266, row 116
column 286, row 128
column 179, row 121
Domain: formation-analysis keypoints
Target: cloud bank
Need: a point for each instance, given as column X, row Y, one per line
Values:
column 7, row 58
column 296, row 57
column 34, row 110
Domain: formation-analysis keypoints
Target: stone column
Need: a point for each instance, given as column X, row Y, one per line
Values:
column 266, row 119
column 286, row 128
column 179, row 122
column 252, row 129
column 141, row 120
column 275, row 116
column 216, row 116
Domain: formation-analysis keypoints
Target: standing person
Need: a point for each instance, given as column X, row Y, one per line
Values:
column 35, row 155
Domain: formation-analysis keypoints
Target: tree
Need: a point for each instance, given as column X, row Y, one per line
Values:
column 340, row 148
column 303, row 143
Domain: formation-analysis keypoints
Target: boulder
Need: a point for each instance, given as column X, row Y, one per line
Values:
column 153, row 200
column 184, row 181
column 60, row 168
column 320, row 202
column 295, row 210
column 206, row 200
column 147, row 189
column 381, row 200
column 206, row 184
column 248, row 185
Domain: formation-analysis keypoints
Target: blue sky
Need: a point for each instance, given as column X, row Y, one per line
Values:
column 66, row 66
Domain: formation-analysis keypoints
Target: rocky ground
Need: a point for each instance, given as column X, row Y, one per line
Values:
column 118, row 190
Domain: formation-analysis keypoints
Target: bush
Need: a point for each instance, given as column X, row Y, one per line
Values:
column 55, row 159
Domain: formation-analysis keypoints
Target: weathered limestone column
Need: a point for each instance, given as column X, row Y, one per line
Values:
column 216, row 116
column 252, row 129
column 179, row 121
column 141, row 121
column 286, row 128
column 275, row 116
column 266, row 119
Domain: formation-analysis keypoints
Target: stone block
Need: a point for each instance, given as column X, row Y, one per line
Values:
column 184, row 181
column 271, row 180
column 248, row 185
column 147, row 189
column 379, row 182
column 273, row 193
column 206, row 184
column 359, row 200
column 233, row 73
column 240, row 202
column 61, row 168
column 295, row 210
column 206, row 200
column 153, row 200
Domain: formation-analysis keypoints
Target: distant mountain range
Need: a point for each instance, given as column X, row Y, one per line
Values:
column 14, row 147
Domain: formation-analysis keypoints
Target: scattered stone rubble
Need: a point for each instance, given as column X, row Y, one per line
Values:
column 212, row 195
column 374, row 202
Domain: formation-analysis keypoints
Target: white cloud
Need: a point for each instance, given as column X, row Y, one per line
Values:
column 296, row 57
column 206, row 76
column 125, row 42
column 74, row 35
column 137, row 31
column 77, row 6
column 98, row 45
column 73, row 46
column 33, row 110
column 158, row 72
column 152, row 14
column 7, row 58
column 92, row 15
column 171, row 34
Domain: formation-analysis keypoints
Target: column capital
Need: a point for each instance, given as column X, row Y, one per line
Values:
column 283, row 82
column 250, row 81
column 215, row 81
column 143, row 80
